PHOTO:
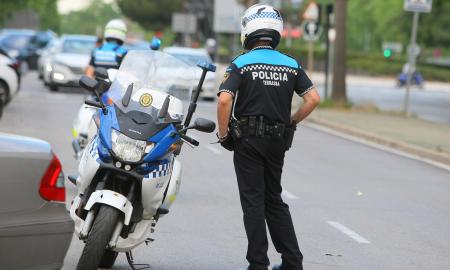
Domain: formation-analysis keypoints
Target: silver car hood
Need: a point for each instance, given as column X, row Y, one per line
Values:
column 72, row 59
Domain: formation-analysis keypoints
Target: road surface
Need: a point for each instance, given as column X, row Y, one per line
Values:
column 354, row 207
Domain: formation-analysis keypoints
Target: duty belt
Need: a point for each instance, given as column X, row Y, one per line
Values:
column 259, row 126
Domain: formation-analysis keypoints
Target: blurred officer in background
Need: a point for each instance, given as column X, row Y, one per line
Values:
column 254, row 116
column 111, row 53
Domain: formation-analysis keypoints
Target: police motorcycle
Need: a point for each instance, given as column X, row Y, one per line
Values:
column 83, row 121
column 129, row 174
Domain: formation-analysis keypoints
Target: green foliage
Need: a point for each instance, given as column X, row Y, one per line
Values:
column 46, row 10
column 90, row 20
column 371, row 22
column 151, row 15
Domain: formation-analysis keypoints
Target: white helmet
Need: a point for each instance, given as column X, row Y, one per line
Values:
column 261, row 22
column 116, row 29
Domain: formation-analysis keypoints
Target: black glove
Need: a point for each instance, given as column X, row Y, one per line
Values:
column 227, row 142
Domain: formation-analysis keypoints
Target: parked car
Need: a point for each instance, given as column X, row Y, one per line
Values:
column 13, row 41
column 192, row 57
column 137, row 44
column 45, row 60
column 35, row 228
column 9, row 80
column 33, row 50
column 70, row 60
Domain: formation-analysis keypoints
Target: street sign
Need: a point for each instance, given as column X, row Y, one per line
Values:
column 184, row 23
column 227, row 16
column 311, row 30
column 418, row 5
column 396, row 47
column 312, row 12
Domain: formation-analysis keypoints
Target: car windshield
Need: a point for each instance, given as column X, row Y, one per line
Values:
column 149, row 79
column 14, row 41
column 191, row 59
column 78, row 46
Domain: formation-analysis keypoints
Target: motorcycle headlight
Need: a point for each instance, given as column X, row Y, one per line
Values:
column 129, row 149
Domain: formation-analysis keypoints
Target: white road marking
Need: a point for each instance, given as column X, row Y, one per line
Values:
column 358, row 238
column 288, row 195
column 214, row 149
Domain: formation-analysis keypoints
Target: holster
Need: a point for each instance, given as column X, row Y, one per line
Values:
column 289, row 133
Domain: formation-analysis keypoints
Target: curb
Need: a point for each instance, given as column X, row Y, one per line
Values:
column 435, row 156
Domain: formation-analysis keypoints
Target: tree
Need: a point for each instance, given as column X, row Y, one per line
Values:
column 46, row 10
column 372, row 22
column 151, row 15
column 248, row 3
column 339, row 94
column 89, row 20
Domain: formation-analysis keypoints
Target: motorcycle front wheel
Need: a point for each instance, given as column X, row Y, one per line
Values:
column 98, row 238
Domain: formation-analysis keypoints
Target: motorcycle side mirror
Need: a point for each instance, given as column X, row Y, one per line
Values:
column 101, row 73
column 155, row 44
column 88, row 83
column 204, row 125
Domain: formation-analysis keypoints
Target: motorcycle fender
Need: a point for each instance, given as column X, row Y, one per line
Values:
column 112, row 199
column 174, row 185
column 88, row 166
column 79, row 223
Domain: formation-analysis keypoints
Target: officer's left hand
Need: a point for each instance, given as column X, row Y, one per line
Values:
column 227, row 142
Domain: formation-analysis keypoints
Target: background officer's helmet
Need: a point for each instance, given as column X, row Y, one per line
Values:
column 116, row 29
column 261, row 22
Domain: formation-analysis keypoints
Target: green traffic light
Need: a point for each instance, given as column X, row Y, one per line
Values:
column 387, row 53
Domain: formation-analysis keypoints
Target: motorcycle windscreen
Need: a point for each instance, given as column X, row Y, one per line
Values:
column 154, row 83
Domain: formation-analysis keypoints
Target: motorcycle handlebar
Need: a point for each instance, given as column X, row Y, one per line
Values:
column 189, row 139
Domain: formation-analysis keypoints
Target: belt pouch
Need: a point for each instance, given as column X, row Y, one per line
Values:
column 251, row 125
column 278, row 130
column 260, row 127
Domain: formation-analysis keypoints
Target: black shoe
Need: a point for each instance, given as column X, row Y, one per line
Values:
column 277, row 267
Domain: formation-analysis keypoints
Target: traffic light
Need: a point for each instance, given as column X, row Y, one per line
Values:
column 387, row 53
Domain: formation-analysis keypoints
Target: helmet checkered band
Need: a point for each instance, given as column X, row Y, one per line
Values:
column 271, row 15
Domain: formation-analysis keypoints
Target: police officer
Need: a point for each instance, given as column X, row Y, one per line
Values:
column 111, row 53
column 256, row 94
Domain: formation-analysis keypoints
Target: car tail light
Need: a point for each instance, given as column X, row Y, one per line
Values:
column 52, row 183
column 15, row 65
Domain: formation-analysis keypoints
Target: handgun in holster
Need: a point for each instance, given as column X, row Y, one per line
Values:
column 235, row 129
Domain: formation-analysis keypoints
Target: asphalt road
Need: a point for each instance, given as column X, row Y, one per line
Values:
column 354, row 207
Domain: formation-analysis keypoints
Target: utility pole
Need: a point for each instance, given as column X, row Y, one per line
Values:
column 328, row 11
column 411, row 61
column 339, row 94
column 416, row 7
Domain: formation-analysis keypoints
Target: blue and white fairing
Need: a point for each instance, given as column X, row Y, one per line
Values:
column 135, row 134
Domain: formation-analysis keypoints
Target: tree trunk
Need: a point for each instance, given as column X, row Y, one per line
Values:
column 249, row 3
column 339, row 94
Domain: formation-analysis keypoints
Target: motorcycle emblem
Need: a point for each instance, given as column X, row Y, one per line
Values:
column 146, row 100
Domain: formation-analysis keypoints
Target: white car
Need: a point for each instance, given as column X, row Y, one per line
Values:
column 70, row 60
column 9, row 80
column 45, row 60
column 192, row 57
